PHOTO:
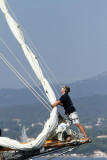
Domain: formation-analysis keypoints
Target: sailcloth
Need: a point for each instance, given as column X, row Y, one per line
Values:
column 3, row 7
column 52, row 122
column 32, row 59
column 38, row 142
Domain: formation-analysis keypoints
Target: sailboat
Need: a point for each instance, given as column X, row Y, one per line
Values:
column 53, row 136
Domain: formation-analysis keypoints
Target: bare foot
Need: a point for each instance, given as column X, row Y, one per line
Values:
column 86, row 139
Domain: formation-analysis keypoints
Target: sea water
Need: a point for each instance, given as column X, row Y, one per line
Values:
column 72, row 158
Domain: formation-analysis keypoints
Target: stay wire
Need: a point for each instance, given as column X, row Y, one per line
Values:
column 15, row 56
column 49, row 78
column 32, row 45
column 24, row 81
column 23, row 68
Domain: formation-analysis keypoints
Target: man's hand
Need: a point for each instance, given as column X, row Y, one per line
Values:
column 56, row 103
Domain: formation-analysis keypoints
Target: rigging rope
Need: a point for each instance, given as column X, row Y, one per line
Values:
column 23, row 67
column 65, row 151
column 49, row 78
column 24, row 81
column 33, row 46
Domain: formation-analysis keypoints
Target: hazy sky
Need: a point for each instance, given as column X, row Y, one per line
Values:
column 71, row 35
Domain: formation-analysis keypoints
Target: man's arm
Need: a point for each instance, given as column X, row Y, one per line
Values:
column 56, row 103
column 61, row 104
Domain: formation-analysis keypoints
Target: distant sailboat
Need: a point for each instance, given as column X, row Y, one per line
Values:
column 24, row 137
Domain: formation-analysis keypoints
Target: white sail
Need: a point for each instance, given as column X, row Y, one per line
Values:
column 36, row 68
column 16, row 30
column 38, row 142
column 3, row 6
column 24, row 137
column 33, row 61
column 52, row 122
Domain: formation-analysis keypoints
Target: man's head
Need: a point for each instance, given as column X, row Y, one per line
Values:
column 65, row 89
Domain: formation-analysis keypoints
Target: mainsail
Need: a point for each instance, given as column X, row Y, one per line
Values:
column 52, row 122
column 32, row 59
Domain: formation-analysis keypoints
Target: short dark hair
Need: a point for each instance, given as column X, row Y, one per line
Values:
column 67, row 89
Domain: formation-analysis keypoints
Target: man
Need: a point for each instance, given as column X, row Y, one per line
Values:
column 70, row 110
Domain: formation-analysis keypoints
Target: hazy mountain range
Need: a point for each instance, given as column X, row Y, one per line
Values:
column 93, row 86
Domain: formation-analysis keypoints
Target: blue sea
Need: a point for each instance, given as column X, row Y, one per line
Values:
column 71, row 158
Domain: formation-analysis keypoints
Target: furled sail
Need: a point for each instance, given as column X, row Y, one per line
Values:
column 38, row 142
column 32, row 59
column 3, row 7
column 52, row 122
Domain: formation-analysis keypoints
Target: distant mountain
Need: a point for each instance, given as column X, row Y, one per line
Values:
column 16, row 97
column 93, row 86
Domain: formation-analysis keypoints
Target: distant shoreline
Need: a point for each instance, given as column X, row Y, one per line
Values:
column 74, row 155
column 85, row 156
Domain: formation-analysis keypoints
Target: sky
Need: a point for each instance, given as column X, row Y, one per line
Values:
column 70, row 35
